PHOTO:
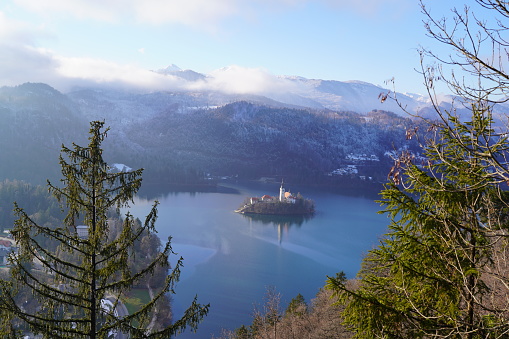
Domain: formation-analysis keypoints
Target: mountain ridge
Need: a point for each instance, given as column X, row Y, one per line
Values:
column 351, row 95
column 312, row 134
column 181, row 137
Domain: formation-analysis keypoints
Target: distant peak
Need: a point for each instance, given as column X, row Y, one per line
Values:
column 169, row 69
column 172, row 68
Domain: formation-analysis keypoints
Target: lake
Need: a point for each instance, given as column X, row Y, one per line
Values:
column 231, row 259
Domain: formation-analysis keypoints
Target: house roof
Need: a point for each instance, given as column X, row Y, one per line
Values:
column 7, row 242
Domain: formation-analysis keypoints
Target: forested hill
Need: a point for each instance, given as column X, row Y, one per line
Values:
column 180, row 140
column 252, row 141
column 35, row 120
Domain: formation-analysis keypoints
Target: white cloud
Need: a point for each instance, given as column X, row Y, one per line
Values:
column 199, row 13
column 242, row 80
column 105, row 73
column 203, row 13
column 27, row 64
column 107, row 10
column 16, row 32
column 68, row 72
column 22, row 62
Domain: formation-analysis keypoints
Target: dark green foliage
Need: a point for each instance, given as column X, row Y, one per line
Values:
column 67, row 286
column 297, row 306
column 37, row 201
column 242, row 333
column 251, row 141
column 440, row 271
column 35, row 120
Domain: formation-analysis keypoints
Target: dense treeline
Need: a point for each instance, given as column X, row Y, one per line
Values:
column 35, row 120
column 40, row 204
column 250, row 141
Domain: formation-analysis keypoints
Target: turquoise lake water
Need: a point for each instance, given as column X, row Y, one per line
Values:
column 230, row 259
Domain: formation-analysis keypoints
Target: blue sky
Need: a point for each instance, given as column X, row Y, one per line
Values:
column 69, row 42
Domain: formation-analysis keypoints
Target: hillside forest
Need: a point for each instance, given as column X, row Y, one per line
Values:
column 241, row 139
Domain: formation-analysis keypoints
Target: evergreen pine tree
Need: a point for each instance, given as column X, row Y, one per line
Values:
column 441, row 270
column 297, row 306
column 76, row 291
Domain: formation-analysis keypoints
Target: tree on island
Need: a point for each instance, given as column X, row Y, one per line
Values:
column 65, row 291
column 442, row 269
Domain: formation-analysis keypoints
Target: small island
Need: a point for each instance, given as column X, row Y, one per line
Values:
column 285, row 204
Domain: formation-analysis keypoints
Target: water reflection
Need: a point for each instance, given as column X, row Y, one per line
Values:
column 152, row 191
column 281, row 222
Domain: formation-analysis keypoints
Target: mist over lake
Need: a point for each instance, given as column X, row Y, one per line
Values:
column 230, row 259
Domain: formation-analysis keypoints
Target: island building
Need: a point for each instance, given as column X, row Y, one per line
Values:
column 284, row 196
column 284, row 204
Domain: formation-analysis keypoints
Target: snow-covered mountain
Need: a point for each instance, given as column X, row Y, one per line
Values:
column 355, row 96
column 181, row 135
column 292, row 91
column 186, row 74
column 263, row 126
column 234, row 83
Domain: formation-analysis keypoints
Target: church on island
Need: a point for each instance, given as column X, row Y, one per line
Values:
column 285, row 204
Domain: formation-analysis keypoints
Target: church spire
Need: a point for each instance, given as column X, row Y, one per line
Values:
column 281, row 191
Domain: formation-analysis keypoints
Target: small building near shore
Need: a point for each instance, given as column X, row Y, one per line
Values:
column 7, row 246
column 82, row 231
